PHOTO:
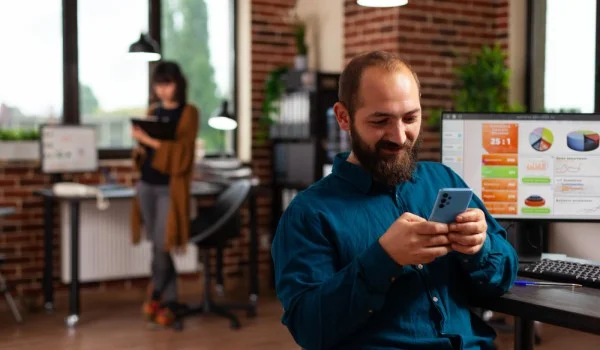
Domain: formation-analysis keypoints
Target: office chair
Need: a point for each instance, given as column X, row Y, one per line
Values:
column 213, row 229
column 9, row 299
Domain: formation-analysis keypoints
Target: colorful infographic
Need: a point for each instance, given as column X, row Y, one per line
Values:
column 500, row 167
column 583, row 140
column 528, row 166
column 541, row 139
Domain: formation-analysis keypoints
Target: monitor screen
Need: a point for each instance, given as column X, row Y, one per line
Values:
column 68, row 148
column 527, row 166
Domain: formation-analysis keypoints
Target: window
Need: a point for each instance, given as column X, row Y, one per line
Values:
column 199, row 36
column 31, row 69
column 112, row 86
column 564, row 39
column 570, row 55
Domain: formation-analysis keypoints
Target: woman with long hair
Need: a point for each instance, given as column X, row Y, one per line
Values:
column 163, row 191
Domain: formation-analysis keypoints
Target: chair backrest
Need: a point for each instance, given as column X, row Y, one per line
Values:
column 224, row 209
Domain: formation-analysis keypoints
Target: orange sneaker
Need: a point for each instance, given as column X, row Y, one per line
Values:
column 150, row 309
column 165, row 317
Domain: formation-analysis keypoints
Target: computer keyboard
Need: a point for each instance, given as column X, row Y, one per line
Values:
column 563, row 271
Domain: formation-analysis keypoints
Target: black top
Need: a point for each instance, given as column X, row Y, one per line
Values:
column 148, row 173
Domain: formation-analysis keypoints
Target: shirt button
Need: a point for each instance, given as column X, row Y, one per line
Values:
column 420, row 267
column 435, row 299
column 465, row 260
column 392, row 279
column 370, row 311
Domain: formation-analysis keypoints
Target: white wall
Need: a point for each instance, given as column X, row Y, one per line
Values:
column 578, row 240
column 244, row 99
column 517, row 45
column 324, row 33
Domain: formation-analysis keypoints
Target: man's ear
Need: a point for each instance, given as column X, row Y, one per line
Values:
column 342, row 116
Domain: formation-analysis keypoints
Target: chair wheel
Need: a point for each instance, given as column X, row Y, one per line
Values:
column 251, row 313
column 235, row 325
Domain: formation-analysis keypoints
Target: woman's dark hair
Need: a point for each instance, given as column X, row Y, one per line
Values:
column 167, row 72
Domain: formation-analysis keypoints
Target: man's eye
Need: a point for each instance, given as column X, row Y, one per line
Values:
column 379, row 122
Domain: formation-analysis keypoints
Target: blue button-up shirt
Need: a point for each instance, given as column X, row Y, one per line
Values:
column 341, row 290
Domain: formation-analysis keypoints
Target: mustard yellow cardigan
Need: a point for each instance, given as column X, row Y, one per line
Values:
column 175, row 158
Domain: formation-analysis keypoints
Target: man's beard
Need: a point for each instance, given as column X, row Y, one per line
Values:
column 390, row 170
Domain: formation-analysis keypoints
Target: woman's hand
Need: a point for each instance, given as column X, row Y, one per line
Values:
column 140, row 135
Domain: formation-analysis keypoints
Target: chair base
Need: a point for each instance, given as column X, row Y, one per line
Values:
column 9, row 300
column 210, row 307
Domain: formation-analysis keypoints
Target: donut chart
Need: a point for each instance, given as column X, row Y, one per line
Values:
column 535, row 201
column 583, row 140
column 541, row 139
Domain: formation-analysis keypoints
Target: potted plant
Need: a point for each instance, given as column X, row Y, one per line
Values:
column 19, row 144
column 301, row 59
column 483, row 85
column 274, row 88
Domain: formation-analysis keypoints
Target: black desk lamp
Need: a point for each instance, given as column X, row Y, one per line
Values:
column 224, row 120
column 145, row 48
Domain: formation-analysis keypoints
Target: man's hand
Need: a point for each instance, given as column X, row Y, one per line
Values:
column 413, row 240
column 468, row 233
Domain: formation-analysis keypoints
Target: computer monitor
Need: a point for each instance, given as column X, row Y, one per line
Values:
column 68, row 148
column 527, row 166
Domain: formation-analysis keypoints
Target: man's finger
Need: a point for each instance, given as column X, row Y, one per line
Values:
column 471, row 214
column 436, row 252
column 469, row 250
column 431, row 228
column 412, row 217
column 438, row 240
column 466, row 240
column 468, row 227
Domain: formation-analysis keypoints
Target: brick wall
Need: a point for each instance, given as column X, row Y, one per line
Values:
column 22, row 238
column 433, row 36
column 272, row 47
column 22, row 234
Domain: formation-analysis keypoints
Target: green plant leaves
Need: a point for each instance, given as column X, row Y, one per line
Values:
column 483, row 85
column 19, row 135
column 274, row 88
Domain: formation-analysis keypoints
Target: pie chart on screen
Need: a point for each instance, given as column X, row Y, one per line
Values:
column 541, row 139
column 583, row 140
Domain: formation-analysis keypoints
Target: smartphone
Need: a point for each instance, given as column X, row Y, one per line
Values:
column 449, row 203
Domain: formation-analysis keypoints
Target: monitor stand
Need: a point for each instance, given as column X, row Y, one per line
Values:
column 531, row 240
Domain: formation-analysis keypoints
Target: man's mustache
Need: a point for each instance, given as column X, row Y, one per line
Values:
column 390, row 145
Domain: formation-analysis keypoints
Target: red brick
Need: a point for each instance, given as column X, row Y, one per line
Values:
column 17, row 192
column 12, row 202
column 17, row 170
column 7, row 182
column 34, row 182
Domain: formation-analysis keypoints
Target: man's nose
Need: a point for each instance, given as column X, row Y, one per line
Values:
column 397, row 133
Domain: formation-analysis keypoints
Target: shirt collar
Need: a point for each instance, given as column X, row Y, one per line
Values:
column 355, row 174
